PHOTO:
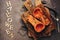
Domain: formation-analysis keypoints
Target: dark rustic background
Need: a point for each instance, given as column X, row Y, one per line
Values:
column 21, row 33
